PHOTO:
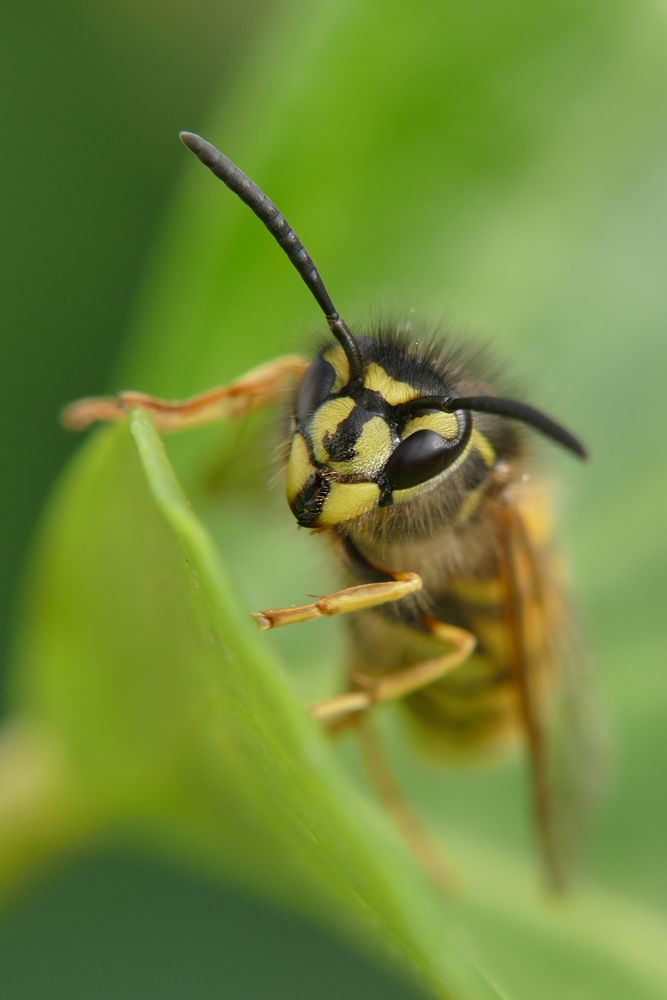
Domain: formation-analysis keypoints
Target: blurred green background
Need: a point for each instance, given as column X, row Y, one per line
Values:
column 500, row 167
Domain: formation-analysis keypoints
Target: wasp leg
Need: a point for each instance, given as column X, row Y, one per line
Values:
column 258, row 388
column 403, row 682
column 416, row 836
column 352, row 708
column 365, row 595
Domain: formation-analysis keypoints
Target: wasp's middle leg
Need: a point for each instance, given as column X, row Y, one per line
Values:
column 394, row 686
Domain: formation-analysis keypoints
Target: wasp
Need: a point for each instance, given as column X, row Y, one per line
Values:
column 418, row 475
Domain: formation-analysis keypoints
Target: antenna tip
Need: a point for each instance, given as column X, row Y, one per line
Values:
column 190, row 139
column 572, row 443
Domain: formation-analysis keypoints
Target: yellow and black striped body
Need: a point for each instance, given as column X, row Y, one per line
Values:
column 466, row 583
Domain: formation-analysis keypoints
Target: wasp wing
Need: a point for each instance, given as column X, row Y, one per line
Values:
column 553, row 691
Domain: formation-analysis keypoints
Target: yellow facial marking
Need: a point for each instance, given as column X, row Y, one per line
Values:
column 392, row 391
column 482, row 444
column 299, row 468
column 444, row 424
column 325, row 421
column 336, row 357
column 348, row 500
column 373, row 447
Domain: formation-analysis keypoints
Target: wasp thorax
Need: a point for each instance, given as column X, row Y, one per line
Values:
column 355, row 447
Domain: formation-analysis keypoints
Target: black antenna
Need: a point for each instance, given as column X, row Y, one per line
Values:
column 503, row 408
column 280, row 229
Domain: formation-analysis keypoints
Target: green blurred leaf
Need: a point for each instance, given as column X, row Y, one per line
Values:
column 174, row 719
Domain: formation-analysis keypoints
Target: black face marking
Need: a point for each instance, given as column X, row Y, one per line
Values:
column 308, row 504
column 372, row 401
column 341, row 445
column 314, row 388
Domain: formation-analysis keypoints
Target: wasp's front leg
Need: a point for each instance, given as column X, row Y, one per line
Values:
column 259, row 387
column 365, row 595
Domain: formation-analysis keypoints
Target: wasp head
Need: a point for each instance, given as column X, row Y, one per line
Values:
column 364, row 442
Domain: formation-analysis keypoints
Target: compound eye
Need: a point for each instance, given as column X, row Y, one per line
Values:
column 420, row 457
column 314, row 388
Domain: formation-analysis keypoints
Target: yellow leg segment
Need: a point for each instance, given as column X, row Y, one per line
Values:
column 366, row 595
column 403, row 682
column 258, row 388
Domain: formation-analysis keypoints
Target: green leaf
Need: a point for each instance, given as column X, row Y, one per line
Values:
column 175, row 719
